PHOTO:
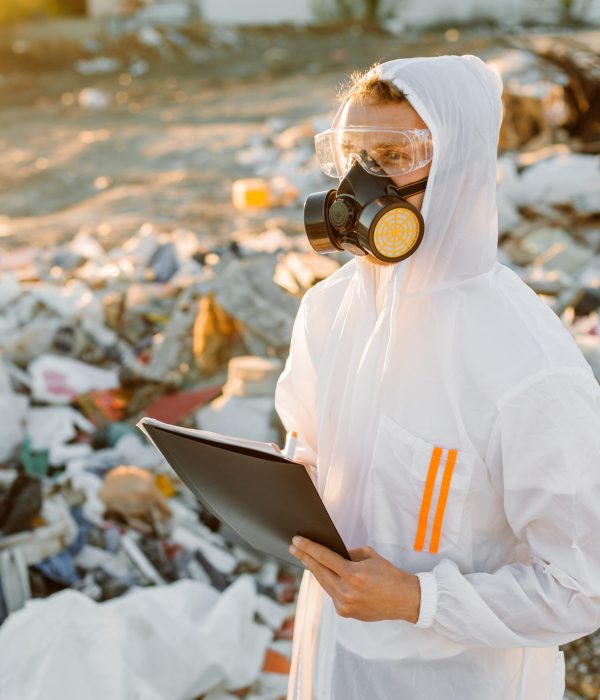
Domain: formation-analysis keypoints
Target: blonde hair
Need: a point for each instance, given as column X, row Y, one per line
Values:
column 366, row 86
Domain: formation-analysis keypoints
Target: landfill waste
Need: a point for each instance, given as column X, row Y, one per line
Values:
column 20, row 505
column 93, row 98
column 246, row 407
column 15, row 588
column 87, row 508
column 298, row 272
column 215, row 334
column 34, row 531
column 195, row 640
column 550, row 89
column 13, row 408
column 132, row 494
column 47, row 426
column 167, row 321
column 259, row 192
column 246, row 291
column 174, row 408
column 284, row 165
column 97, row 65
column 56, row 379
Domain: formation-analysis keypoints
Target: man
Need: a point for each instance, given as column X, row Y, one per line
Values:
column 452, row 426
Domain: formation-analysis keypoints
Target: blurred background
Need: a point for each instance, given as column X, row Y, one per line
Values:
column 154, row 160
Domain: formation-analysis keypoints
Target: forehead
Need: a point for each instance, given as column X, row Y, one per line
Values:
column 394, row 115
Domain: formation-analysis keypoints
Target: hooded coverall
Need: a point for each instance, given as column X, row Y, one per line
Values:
column 451, row 423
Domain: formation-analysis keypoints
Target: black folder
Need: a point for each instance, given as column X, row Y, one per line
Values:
column 266, row 498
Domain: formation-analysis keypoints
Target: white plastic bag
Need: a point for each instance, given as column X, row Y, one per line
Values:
column 162, row 643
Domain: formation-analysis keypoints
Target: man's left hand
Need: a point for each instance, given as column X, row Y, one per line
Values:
column 367, row 588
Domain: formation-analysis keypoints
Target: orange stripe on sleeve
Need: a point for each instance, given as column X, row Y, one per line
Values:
column 426, row 502
column 441, row 504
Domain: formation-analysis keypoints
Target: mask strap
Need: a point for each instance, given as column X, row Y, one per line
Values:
column 413, row 188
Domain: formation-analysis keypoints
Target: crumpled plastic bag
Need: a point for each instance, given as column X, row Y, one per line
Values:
column 48, row 426
column 13, row 408
column 56, row 379
column 132, row 493
column 170, row 642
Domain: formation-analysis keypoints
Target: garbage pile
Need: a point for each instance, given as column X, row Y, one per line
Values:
column 143, row 37
column 139, row 36
column 95, row 528
column 549, row 215
column 551, row 93
column 549, row 193
column 94, row 525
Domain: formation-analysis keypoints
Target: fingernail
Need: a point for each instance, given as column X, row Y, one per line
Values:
column 292, row 549
column 297, row 540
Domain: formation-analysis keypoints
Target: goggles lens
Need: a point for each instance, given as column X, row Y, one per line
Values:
column 382, row 152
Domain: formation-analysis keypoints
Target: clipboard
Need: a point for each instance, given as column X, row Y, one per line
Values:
column 263, row 496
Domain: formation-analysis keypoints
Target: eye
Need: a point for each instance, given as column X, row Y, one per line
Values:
column 391, row 156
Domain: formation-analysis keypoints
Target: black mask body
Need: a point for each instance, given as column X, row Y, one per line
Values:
column 366, row 214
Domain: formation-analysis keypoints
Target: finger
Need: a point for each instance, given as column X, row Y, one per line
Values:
column 323, row 555
column 325, row 576
column 361, row 553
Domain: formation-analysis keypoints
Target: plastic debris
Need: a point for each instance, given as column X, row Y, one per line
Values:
column 10, row 289
column 196, row 639
column 298, row 272
column 104, row 405
column 20, row 505
column 97, row 65
column 261, row 193
column 173, row 408
column 189, row 322
column 246, row 291
column 141, row 561
column 13, row 408
column 15, row 588
column 92, row 98
column 246, row 407
column 49, row 426
column 56, row 530
column 132, row 494
column 59, row 380
column 215, row 334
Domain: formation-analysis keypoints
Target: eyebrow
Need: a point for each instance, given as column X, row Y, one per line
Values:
column 382, row 144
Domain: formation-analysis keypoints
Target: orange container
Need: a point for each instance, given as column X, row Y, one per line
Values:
column 251, row 193
column 258, row 192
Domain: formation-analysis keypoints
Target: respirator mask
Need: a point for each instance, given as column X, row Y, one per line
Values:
column 368, row 212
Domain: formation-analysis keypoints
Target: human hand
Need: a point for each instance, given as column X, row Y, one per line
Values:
column 367, row 588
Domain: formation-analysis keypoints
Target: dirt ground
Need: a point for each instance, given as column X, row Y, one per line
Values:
column 164, row 151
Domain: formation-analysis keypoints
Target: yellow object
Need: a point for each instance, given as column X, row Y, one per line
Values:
column 253, row 192
column 20, row 10
column 214, row 335
column 257, row 192
column 165, row 485
column 396, row 232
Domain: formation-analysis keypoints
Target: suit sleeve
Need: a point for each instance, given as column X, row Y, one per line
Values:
column 547, row 440
column 295, row 393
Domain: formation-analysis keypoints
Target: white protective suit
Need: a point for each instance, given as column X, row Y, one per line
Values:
column 453, row 425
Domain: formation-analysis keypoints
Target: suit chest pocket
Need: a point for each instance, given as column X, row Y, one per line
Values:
column 416, row 491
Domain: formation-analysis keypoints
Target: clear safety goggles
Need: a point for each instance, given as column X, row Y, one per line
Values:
column 383, row 152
